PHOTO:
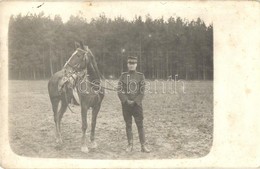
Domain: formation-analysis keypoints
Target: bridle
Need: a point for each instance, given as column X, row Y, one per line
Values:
column 74, row 67
column 83, row 74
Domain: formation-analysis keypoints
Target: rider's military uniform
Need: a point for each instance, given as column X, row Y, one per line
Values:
column 131, row 86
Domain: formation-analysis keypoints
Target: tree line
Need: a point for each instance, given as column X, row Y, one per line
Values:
column 40, row 45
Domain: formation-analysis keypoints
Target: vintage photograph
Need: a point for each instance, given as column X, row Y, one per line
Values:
column 118, row 80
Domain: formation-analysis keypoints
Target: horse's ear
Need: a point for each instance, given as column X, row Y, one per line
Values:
column 81, row 45
column 77, row 45
column 85, row 48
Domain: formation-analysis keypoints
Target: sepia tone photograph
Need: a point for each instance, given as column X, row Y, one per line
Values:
column 106, row 86
column 116, row 80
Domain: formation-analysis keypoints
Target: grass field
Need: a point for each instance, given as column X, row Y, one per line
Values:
column 177, row 125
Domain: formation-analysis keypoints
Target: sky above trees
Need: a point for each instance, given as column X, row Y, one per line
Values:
column 128, row 10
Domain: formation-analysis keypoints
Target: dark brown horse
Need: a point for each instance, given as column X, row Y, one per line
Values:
column 81, row 73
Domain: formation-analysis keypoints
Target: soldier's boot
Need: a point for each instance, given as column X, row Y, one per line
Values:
column 129, row 147
column 144, row 147
column 129, row 135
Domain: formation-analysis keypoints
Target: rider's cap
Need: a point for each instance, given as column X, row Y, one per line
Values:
column 132, row 59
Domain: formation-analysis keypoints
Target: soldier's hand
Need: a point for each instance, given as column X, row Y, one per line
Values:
column 130, row 102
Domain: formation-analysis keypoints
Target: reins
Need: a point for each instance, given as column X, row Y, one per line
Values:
column 102, row 78
column 111, row 89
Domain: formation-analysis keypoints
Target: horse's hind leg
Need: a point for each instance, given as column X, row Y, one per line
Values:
column 58, row 116
column 55, row 104
column 93, row 125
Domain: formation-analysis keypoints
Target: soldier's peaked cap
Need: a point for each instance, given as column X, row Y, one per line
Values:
column 132, row 59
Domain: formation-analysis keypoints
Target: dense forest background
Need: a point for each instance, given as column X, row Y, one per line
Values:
column 40, row 45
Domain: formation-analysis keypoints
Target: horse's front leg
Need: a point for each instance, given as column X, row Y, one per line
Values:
column 93, row 126
column 84, row 110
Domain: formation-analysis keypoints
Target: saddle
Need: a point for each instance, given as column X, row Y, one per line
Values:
column 70, row 82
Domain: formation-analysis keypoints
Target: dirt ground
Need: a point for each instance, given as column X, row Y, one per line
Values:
column 177, row 125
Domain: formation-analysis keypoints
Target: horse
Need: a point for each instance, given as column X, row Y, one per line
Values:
column 80, row 70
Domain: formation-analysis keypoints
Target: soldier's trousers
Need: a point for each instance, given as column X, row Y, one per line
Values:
column 137, row 112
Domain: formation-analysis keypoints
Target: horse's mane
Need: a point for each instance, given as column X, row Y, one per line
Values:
column 93, row 70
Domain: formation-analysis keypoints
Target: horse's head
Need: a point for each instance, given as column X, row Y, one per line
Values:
column 79, row 59
column 82, row 59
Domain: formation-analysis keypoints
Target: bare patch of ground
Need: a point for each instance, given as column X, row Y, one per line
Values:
column 177, row 125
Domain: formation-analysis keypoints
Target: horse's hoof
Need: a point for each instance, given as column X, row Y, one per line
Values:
column 93, row 145
column 59, row 141
column 84, row 149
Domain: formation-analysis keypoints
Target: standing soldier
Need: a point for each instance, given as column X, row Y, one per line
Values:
column 131, row 87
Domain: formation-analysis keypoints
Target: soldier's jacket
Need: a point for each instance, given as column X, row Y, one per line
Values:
column 131, row 86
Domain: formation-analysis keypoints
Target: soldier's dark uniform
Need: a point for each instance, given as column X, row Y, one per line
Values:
column 131, row 86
